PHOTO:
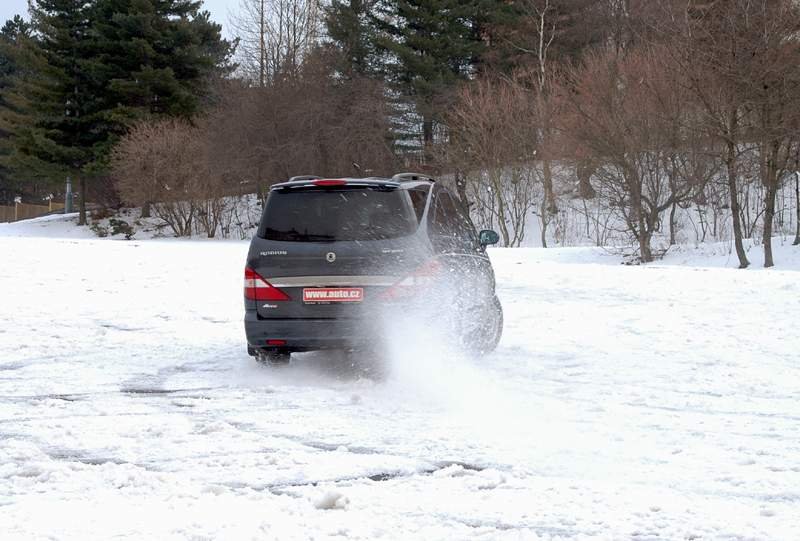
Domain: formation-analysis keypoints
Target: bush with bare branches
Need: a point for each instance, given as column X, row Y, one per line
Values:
column 169, row 164
column 255, row 136
column 493, row 141
column 630, row 117
column 315, row 123
column 158, row 162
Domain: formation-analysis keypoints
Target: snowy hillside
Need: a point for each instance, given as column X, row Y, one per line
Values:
column 624, row 402
column 242, row 215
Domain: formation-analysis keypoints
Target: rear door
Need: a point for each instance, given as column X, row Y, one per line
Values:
column 333, row 250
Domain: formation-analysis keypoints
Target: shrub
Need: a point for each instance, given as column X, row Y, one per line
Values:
column 99, row 230
column 121, row 227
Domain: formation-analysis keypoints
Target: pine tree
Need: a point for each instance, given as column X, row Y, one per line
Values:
column 156, row 59
column 13, row 32
column 429, row 46
column 353, row 34
column 10, row 34
column 46, row 104
column 566, row 29
column 95, row 68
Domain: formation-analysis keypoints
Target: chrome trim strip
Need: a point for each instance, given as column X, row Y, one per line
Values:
column 333, row 281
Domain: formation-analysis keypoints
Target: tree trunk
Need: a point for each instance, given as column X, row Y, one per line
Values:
column 730, row 163
column 427, row 140
column 549, row 194
column 584, row 171
column 501, row 209
column 640, row 224
column 672, row 223
column 545, row 221
column 771, row 185
column 463, row 198
column 549, row 207
column 797, row 207
column 644, row 243
column 644, row 246
column 82, row 202
column 261, row 193
column 769, row 217
column 262, row 46
column 643, row 233
column 701, row 213
column 586, row 215
column 644, row 236
column 146, row 212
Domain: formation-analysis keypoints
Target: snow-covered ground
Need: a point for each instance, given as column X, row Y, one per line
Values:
column 655, row 402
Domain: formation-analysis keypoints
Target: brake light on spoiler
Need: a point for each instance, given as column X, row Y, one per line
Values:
column 258, row 289
column 329, row 182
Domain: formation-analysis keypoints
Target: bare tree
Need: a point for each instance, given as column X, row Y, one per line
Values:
column 708, row 58
column 543, row 40
column 625, row 112
column 250, row 26
column 546, row 28
column 797, row 204
column 741, row 58
column 314, row 123
column 693, row 166
column 492, row 142
column 275, row 36
column 775, row 95
column 158, row 162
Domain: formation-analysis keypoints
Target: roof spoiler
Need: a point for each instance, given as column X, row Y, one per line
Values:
column 409, row 177
column 304, row 177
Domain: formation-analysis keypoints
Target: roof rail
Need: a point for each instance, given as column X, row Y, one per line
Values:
column 304, row 177
column 407, row 177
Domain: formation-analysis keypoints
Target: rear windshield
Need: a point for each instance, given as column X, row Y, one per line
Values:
column 338, row 215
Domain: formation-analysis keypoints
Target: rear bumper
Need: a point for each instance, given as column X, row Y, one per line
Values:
column 308, row 334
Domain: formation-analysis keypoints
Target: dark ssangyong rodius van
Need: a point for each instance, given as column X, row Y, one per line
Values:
column 333, row 259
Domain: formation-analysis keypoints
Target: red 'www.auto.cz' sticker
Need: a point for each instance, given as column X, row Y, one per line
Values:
column 349, row 294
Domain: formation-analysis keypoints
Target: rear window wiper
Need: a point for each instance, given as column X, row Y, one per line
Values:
column 299, row 237
column 320, row 238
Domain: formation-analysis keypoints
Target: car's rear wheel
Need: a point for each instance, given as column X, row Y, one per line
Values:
column 366, row 362
column 273, row 358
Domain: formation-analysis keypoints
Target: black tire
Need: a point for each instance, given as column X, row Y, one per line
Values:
column 484, row 329
column 366, row 362
column 273, row 358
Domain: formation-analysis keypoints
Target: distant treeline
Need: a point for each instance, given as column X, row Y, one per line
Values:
column 646, row 108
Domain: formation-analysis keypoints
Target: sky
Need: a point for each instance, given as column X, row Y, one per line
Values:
column 9, row 8
column 218, row 8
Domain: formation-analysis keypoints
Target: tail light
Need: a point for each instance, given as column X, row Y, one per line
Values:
column 258, row 289
column 420, row 279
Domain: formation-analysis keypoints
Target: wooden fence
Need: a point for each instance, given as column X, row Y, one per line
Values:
column 24, row 211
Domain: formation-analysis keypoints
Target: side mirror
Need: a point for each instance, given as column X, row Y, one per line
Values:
column 488, row 237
